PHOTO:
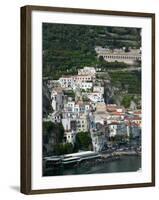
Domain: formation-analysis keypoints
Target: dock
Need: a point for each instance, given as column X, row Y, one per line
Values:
column 74, row 158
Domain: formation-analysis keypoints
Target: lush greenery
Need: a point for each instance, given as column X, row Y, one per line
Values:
column 83, row 141
column 55, row 130
column 104, row 65
column 68, row 47
column 130, row 81
column 126, row 101
column 63, row 148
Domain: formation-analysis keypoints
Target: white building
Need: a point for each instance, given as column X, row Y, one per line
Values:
column 66, row 81
column 70, row 136
column 113, row 129
column 82, row 123
column 98, row 89
column 82, row 78
column 100, row 115
column 76, row 107
column 73, row 125
column 115, row 116
column 66, row 122
column 119, row 55
column 116, row 128
column 85, row 85
column 56, row 117
column 57, row 98
column 53, row 83
column 87, row 71
column 82, row 81
column 96, row 97
column 69, row 106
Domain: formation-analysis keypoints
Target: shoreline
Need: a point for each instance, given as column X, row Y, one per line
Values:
column 105, row 158
column 120, row 153
column 108, row 158
column 90, row 166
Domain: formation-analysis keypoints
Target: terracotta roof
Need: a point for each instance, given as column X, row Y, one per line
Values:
column 136, row 118
column 117, row 113
column 137, row 112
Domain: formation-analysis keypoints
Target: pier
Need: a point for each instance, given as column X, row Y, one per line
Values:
column 69, row 159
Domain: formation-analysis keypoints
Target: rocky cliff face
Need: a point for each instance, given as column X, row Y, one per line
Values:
column 46, row 100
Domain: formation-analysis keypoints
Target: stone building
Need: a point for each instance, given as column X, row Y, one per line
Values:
column 57, row 98
column 87, row 71
column 119, row 55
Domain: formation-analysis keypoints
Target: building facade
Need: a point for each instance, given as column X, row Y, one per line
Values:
column 66, row 82
column 87, row 71
column 116, row 128
column 98, row 89
column 96, row 97
column 119, row 55
column 57, row 98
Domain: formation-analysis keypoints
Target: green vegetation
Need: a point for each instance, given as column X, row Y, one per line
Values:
column 127, row 101
column 53, row 129
column 61, row 149
column 83, row 141
column 130, row 81
column 69, row 47
column 104, row 65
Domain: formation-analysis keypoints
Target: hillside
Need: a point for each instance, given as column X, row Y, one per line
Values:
column 68, row 47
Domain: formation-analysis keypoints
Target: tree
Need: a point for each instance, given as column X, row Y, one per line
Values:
column 53, row 129
column 61, row 149
column 47, row 127
column 83, row 141
column 73, row 45
column 126, row 101
column 68, row 148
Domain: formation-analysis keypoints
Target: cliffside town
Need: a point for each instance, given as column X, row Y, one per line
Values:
column 91, row 98
column 80, row 105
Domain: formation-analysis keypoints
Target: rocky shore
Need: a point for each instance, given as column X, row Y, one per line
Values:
column 107, row 157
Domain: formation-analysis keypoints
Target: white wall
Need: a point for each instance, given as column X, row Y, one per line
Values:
column 9, row 101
